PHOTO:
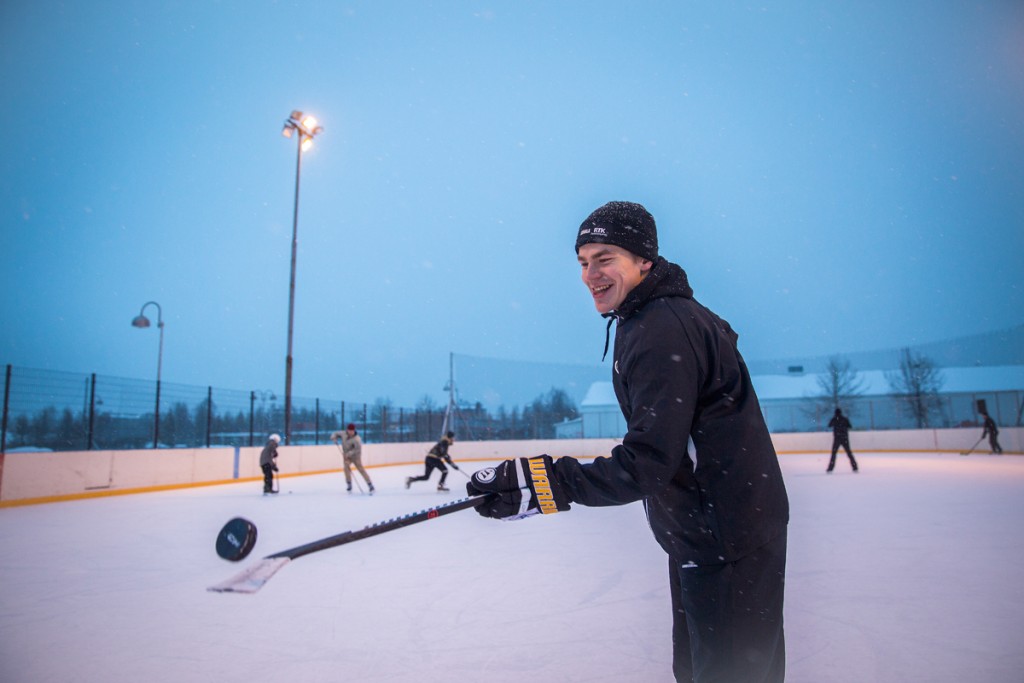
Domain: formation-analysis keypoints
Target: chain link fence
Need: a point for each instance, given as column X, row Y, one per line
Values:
column 894, row 412
column 63, row 411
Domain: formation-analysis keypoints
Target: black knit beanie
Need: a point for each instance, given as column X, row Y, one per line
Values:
column 623, row 224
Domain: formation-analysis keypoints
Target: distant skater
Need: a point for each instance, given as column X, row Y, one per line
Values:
column 992, row 432
column 840, row 437
column 435, row 460
column 352, row 454
column 268, row 463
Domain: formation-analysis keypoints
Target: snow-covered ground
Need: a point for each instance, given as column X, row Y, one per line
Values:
column 912, row 570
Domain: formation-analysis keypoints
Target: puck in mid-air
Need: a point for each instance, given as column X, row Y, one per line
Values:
column 236, row 540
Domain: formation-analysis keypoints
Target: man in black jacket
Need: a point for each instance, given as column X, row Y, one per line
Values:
column 435, row 459
column 697, row 453
column 992, row 432
column 840, row 437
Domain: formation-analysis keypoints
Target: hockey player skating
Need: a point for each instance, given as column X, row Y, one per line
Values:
column 697, row 452
column 268, row 463
column 352, row 454
column 840, row 437
column 436, row 459
column 992, row 432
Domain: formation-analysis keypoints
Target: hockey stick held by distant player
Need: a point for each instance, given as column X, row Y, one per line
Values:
column 238, row 537
column 971, row 450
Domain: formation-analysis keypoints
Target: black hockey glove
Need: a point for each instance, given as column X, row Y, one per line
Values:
column 525, row 487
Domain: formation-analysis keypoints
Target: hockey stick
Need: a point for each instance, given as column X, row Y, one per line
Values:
column 343, row 461
column 238, row 536
column 972, row 447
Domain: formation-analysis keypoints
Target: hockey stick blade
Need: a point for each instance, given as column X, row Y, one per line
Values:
column 253, row 578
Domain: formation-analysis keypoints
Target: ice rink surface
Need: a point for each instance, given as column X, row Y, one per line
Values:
column 911, row 570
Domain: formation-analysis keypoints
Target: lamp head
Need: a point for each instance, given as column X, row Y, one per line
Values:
column 140, row 321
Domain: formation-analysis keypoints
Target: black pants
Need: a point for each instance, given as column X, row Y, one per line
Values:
column 727, row 619
column 993, row 442
column 845, row 443
column 268, row 478
column 432, row 464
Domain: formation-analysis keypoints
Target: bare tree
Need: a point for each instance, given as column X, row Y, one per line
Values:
column 917, row 383
column 839, row 383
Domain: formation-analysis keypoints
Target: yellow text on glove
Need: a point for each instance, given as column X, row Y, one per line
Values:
column 542, row 486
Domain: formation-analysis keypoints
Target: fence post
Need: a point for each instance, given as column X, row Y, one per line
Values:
column 209, row 413
column 316, row 425
column 7, row 396
column 92, row 412
column 252, row 415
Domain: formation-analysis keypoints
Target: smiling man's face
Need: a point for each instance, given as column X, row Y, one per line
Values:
column 610, row 273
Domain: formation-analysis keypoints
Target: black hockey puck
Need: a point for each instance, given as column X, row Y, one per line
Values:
column 236, row 540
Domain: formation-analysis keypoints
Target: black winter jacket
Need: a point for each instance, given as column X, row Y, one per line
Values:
column 840, row 427
column 440, row 449
column 697, row 450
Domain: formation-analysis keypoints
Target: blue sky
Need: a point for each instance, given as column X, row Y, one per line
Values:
column 834, row 177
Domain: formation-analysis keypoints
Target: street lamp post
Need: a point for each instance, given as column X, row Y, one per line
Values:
column 307, row 129
column 141, row 321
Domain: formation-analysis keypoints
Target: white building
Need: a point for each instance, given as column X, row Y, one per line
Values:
column 792, row 403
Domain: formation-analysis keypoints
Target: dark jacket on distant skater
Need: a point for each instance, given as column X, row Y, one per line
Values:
column 992, row 432
column 436, row 458
column 268, row 463
column 840, row 437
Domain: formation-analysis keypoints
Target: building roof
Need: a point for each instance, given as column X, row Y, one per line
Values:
column 876, row 383
column 873, row 383
column 600, row 394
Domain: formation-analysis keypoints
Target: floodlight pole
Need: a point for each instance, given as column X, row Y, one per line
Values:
column 142, row 321
column 307, row 129
column 291, row 301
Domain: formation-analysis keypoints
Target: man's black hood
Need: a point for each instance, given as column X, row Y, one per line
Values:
column 664, row 279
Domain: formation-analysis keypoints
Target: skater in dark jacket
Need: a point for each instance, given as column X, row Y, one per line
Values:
column 840, row 437
column 992, row 432
column 268, row 463
column 697, row 453
column 436, row 459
